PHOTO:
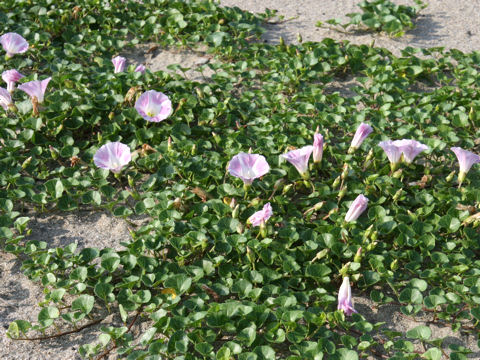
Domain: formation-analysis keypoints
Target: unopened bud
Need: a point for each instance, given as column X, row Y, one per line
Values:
column 130, row 181
column 278, row 183
column 53, row 152
column 358, row 256
column 286, row 188
column 345, row 171
column 342, row 192
column 240, row 228
column 368, row 232
column 233, row 203
column 343, row 271
column 199, row 92
column 336, row 182
column 111, row 115
column 397, row 174
column 394, row 265
column 169, row 144
column 299, row 38
column 374, row 236
column 235, row 211
column 255, row 202
column 282, row 41
column 194, row 149
column 397, row 195
column 369, row 155
column 27, row 162
column 450, row 176
column 216, row 137
column 371, row 246
column 263, row 230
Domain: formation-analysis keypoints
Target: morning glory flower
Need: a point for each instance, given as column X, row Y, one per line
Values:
column 112, row 156
column 140, row 68
column 5, row 99
column 358, row 206
column 248, row 167
column 392, row 151
column 410, row 149
column 345, row 297
column 261, row 216
column 361, row 134
column 36, row 89
column 154, row 106
column 317, row 148
column 466, row 160
column 11, row 77
column 119, row 62
column 13, row 44
column 299, row 159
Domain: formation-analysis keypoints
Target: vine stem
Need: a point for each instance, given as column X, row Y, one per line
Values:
column 62, row 333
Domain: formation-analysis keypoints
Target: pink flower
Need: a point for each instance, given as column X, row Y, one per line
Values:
column 13, row 44
column 317, row 148
column 345, row 297
column 392, row 151
column 140, row 68
column 112, row 156
column 261, row 216
column 35, row 88
column 119, row 62
column 154, row 106
column 410, row 149
column 11, row 77
column 466, row 159
column 361, row 134
column 358, row 206
column 299, row 159
column 5, row 99
column 248, row 167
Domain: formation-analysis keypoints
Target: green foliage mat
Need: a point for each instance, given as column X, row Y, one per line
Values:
column 210, row 286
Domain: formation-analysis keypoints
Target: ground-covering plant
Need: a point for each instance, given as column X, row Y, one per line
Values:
column 382, row 16
column 244, row 255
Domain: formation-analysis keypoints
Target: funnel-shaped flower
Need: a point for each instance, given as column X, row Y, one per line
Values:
column 154, row 106
column 361, row 134
column 35, row 88
column 357, row 207
column 392, row 151
column 345, row 297
column 13, row 44
column 317, row 148
column 299, row 159
column 261, row 216
column 410, row 149
column 112, row 156
column 140, row 68
column 11, row 77
column 119, row 62
column 466, row 159
column 248, row 167
column 5, row 99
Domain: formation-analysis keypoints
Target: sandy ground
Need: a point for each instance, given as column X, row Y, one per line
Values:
column 447, row 23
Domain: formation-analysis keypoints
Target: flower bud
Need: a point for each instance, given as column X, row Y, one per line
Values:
column 358, row 256
column 397, row 174
column 194, row 149
column 374, row 236
column 343, row 271
column 345, row 171
column 450, row 176
column 394, row 265
column 130, row 181
column 263, row 230
column 235, row 211
column 342, row 193
column 397, row 195
column 26, row 162
column 336, row 182
column 286, row 188
column 371, row 246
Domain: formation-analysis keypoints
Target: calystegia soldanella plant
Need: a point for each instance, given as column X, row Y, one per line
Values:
column 268, row 218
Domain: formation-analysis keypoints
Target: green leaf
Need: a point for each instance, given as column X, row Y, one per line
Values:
column 84, row 304
column 420, row 332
